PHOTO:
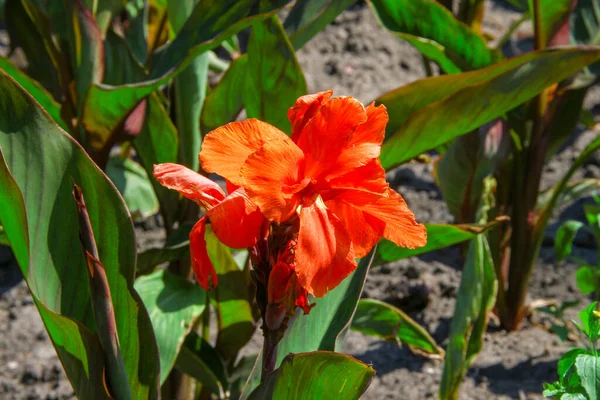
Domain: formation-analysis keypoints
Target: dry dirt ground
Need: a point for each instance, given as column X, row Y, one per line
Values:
column 354, row 56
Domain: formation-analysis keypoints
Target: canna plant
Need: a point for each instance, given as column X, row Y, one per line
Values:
column 494, row 121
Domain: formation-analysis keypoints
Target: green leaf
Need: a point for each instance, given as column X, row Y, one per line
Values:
column 590, row 324
column 546, row 212
column 56, row 271
column 309, row 17
column 588, row 369
column 201, row 361
column 566, row 364
column 328, row 321
column 135, row 187
column 225, row 101
column 433, row 51
column 457, row 44
column 190, row 90
column 571, row 192
column 174, row 304
column 274, row 79
column 564, row 238
column 432, row 111
column 234, row 313
column 376, row 318
column 208, row 25
column 438, row 237
column 587, row 279
column 36, row 90
column 475, row 299
column 314, row 376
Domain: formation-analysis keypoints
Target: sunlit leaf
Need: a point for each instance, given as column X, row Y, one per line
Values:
column 427, row 19
column 317, row 375
column 588, row 369
column 174, row 304
column 376, row 318
column 430, row 112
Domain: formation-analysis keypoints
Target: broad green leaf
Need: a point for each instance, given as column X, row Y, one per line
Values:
column 376, row 318
column 138, row 29
column 588, row 369
column 585, row 29
column 208, row 25
column 546, row 211
column 317, row 375
column 432, row 111
column 571, row 192
column 135, row 187
column 427, row 19
column 200, row 360
column 590, row 323
column 564, row 238
column 150, row 258
column 438, row 237
column 475, row 299
column 433, row 51
column 309, row 17
column 174, row 304
column 325, row 327
column 32, row 87
column 104, row 11
column 56, row 271
column 274, row 79
column 586, row 279
column 225, row 101
column 234, row 314
column 190, row 90
column 567, row 362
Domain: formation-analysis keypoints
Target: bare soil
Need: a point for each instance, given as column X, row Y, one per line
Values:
column 354, row 56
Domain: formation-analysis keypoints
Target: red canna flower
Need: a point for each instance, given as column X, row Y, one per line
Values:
column 235, row 220
column 326, row 179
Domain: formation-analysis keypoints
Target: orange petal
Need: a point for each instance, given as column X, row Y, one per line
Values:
column 324, row 256
column 373, row 130
column 225, row 149
column 364, row 144
column 189, row 183
column 369, row 177
column 271, row 176
column 236, row 221
column 304, row 109
column 400, row 224
column 279, row 282
column 201, row 265
column 326, row 135
column 364, row 230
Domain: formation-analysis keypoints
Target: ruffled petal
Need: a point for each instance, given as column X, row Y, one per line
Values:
column 225, row 149
column 370, row 177
column 324, row 255
column 364, row 145
column 304, row 109
column 236, row 221
column 328, row 132
column 272, row 177
column 364, row 229
column 203, row 268
column 400, row 224
column 189, row 183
